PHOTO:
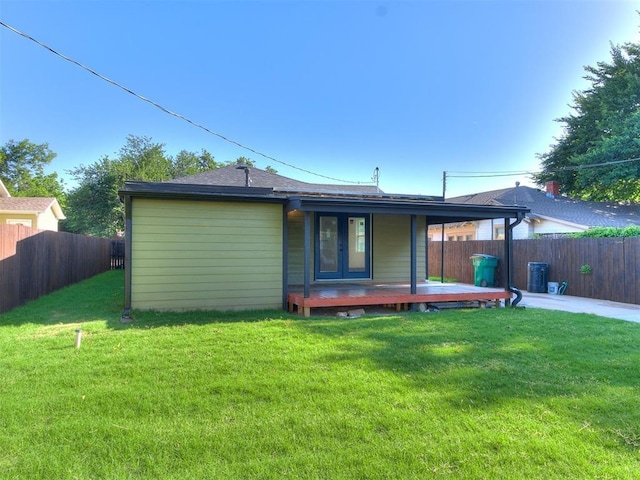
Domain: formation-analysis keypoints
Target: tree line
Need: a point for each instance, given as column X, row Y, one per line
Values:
column 93, row 206
column 598, row 156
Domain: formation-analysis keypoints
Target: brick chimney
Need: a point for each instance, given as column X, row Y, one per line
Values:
column 553, row 189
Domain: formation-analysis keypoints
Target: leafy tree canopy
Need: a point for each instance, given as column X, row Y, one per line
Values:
column 250, row 163
column 22, row 170
column 604, row 129
column 94, row 207
column 602, row 232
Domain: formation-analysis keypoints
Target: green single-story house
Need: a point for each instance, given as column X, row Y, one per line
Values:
column 239, row 238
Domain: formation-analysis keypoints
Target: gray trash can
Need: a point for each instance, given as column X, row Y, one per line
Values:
column 537, row 278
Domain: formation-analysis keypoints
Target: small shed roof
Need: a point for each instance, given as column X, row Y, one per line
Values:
column 31, row 205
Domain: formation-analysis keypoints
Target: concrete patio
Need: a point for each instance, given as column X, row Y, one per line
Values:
column 567, row 303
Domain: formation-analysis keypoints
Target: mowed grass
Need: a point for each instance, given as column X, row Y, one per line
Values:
column 495, row 393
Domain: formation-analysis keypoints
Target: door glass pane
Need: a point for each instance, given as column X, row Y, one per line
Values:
column 328, row 244
column 357, row 244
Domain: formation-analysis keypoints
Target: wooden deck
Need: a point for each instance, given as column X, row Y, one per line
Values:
column 352, row 295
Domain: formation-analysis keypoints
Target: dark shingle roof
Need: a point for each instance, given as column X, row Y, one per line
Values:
column 231, row 176
column 588, row 214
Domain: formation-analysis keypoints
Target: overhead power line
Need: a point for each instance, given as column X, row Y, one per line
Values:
column 603, row 164
column 486, row 175
column 170, row 112
column 499, row 172
column 451, row 174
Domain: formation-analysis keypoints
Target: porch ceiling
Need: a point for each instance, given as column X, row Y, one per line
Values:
column 436, row 212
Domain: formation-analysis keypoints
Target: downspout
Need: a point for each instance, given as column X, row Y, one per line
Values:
column 509, row 258
column 414, row 258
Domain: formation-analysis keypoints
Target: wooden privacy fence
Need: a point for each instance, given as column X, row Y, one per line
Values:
column 37, row 262
column 117, row 254
column 614, row 262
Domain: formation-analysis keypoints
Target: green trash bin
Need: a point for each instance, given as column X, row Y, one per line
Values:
column 484, row 269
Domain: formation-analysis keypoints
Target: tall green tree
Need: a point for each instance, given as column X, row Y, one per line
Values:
column 22, row 167
column 189, row 163
column 94, row 208
column 249, row 163
column 241, row 161
column 604, row 129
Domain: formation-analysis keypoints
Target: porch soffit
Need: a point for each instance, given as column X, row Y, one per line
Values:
column 436, row 212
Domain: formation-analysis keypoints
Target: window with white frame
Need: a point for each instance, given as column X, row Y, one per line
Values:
column 20, row 221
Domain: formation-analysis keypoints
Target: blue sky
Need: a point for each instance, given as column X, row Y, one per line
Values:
column 337, row 88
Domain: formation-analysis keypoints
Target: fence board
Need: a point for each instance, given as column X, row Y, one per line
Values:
column 117, row 254
column 37, row 262
column 615, row 264
column 632, row 271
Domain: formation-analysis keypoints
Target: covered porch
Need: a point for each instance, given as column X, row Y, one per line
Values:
column 397, row 256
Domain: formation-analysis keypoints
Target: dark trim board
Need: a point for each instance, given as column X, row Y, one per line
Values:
column 436, row 212
column 341, row 295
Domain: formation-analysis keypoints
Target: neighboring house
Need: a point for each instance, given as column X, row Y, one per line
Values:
column 37, row 212
column 551, row 214
column 209, row 241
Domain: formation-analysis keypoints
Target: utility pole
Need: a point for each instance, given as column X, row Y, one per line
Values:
column 444, row 184
column 376, row 178
column 444, row 191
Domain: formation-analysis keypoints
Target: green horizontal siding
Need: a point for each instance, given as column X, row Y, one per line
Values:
column 392, row 248
column 295, row 238
column 189, row 255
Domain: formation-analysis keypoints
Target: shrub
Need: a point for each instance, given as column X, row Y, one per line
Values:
column 600, row 232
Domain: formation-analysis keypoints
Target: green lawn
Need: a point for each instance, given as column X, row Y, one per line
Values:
column 494, row 393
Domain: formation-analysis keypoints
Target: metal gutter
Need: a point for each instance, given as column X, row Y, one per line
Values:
column 437, row 212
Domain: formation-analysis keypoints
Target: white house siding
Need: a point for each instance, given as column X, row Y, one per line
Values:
column 548, row 227
column 455, row 232
column 486, row 229
column 189, row 255
column 47, row 220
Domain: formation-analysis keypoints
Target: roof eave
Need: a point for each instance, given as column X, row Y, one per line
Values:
column 186, row 191
column 57, row 210
column 53, row 205
column 563, row 222
column 444, row 212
